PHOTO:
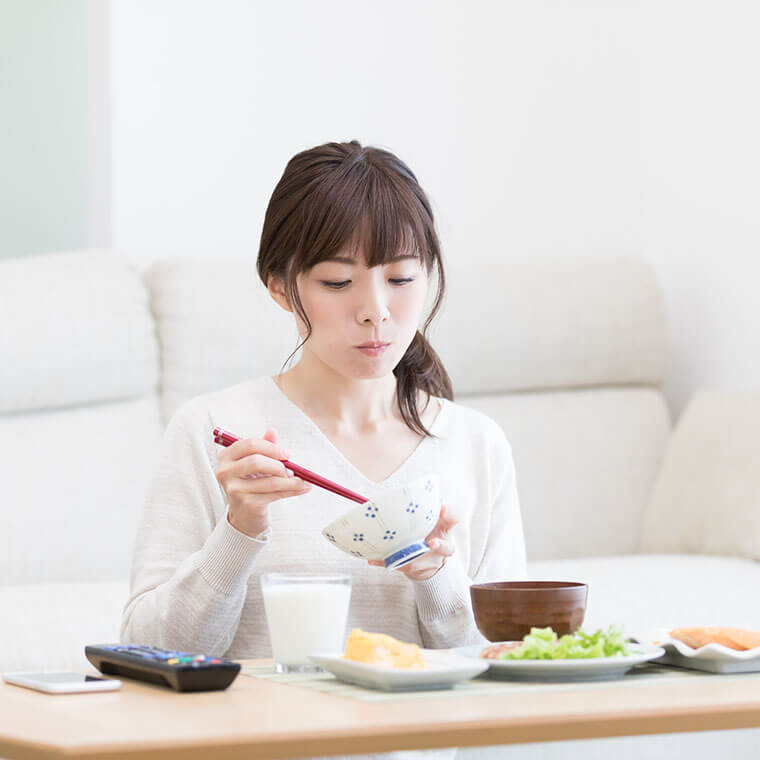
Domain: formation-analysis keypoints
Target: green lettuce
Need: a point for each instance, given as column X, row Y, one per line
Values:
column 543, row 644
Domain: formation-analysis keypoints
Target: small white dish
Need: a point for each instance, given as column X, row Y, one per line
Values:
column 443, row 671
column 581, row 669
column 392, row 527
column 714, row 658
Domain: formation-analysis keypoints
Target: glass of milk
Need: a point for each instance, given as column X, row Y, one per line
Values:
column 306, row 614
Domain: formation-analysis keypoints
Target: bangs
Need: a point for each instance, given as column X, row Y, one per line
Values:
column 368, row 209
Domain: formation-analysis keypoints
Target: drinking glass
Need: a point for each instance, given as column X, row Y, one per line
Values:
column 306, row 614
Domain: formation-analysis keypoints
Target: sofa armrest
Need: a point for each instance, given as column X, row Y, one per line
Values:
column 47, row 625
column 706, row 497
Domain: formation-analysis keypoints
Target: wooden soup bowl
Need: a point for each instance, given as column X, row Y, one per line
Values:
column 507, row 610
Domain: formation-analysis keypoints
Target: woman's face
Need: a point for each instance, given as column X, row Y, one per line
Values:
column 349, row 304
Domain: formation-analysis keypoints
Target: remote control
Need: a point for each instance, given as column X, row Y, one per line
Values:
column 180, row 671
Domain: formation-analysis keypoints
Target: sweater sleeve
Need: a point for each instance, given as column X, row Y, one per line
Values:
column 189, row 567
column 443, row 601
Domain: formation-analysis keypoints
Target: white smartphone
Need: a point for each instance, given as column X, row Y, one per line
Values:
column 62, row 683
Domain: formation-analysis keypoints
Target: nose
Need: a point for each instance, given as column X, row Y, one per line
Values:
column 374, row 304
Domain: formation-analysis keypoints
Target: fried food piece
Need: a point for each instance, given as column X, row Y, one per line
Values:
column 381, row 649
column 734, row 638
column 493, row 651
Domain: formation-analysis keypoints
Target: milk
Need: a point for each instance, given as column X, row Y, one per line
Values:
column 305, row 618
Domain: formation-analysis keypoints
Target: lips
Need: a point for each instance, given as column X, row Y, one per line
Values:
column 373, row 345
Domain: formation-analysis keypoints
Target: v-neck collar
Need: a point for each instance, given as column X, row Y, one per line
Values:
column 421, row 446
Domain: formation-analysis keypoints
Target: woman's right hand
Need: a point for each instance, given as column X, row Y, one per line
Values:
column 252, row 475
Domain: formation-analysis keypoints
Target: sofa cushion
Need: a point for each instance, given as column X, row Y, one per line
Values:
column 585, row 461
column 551, row 321
column 74, row 483
column 217, row 326
column 47, row 625
column 706, row 497
column 646, row 591
column 75, row 327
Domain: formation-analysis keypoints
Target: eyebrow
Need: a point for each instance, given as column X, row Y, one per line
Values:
column 352, row 262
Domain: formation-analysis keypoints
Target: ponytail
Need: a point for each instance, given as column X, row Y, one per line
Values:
column 420, row 369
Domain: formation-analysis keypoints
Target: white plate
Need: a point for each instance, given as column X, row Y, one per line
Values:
column 442, row 672
column 714, row 658
column 582, row 669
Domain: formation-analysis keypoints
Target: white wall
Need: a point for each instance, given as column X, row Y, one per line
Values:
column 99, row 122
column 701, row 186
column 43, row 126
column 534, row 126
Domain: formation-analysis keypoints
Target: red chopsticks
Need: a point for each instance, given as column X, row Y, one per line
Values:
column 223, row 438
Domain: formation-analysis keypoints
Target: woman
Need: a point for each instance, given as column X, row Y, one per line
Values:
column 348, row 245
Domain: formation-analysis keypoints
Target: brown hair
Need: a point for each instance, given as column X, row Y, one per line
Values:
column 339, row 192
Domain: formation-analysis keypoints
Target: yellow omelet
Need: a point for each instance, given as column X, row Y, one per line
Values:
column 381, row 649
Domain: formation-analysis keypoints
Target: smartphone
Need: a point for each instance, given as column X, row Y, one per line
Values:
column 62, row 683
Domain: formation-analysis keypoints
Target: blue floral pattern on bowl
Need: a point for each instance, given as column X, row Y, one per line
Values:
column 391, row 526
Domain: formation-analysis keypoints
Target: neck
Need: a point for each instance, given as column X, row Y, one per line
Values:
column 347, row 405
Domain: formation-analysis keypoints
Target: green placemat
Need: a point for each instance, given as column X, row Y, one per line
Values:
column 649, row 673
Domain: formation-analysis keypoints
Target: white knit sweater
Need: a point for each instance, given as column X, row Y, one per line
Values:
column 195, row 578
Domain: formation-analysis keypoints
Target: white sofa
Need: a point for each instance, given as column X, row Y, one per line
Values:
column 567, row 353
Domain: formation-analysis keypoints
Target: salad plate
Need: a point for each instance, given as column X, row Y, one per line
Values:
column 714, row 658
column 442, row 672
column 581, row 669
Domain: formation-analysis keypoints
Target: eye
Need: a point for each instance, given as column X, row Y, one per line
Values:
column 341, row 285
column 336, row 285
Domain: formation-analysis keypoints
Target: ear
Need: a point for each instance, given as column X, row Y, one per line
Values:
column 276, row 288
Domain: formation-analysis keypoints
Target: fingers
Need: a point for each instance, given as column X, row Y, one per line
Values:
column 275, row 483
column 251, row 458
column 259, row 464
column 248, row 446
column 442, row 546
column 425, row 566
column 282, row 487
column 446, row 520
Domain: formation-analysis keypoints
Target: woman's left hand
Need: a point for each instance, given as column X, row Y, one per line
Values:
column 441, row 546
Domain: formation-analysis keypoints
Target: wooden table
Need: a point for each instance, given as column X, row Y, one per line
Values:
column 255, row 718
